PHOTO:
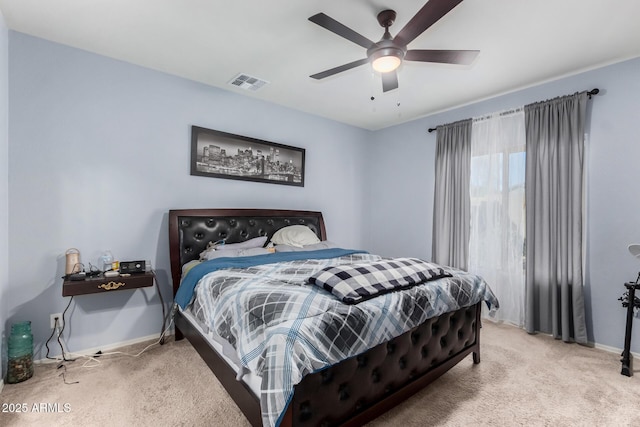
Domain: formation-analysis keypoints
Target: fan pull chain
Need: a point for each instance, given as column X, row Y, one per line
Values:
column 372, row 83
column 398, row 100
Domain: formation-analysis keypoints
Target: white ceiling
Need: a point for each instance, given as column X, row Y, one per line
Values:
column 522, row 43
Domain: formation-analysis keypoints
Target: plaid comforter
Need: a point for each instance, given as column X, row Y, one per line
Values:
column 283, row 328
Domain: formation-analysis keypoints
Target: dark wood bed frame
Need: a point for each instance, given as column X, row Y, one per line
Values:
column 353, row 391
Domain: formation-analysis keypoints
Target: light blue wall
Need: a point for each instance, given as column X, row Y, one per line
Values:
column 99, row 153
column 85, row 130
column 403, row 195
column 4, row 183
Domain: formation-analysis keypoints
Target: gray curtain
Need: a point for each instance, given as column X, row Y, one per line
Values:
column 451, row 207
column 554, row 298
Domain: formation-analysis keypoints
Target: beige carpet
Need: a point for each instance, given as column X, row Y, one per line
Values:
column 523, row 379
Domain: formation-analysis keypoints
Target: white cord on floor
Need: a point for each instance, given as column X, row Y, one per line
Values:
column 93, row 361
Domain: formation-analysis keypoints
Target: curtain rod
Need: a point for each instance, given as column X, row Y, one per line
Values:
column 590, row 94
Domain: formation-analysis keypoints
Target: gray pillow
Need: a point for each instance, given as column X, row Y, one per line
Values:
column 210, row 254
column 256, row 242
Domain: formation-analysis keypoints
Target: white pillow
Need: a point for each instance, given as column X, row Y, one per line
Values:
column 295, row 235
column 316, row 246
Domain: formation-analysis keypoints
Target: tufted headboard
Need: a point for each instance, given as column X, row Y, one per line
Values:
column 190, row 230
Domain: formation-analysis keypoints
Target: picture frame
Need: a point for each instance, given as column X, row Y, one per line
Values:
column 225, row 155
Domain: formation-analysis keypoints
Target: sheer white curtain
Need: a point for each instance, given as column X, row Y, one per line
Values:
column 497, row 235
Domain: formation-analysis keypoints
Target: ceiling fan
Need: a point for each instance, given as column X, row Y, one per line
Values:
column 387, row 54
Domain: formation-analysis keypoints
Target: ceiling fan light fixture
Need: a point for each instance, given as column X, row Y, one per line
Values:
column 385, row 64
column 386, row 59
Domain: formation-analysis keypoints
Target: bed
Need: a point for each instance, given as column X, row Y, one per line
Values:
column 349, row 391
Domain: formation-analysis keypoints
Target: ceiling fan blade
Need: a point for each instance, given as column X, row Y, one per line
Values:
column 426, row 17
column 339, row 69
column 463, row 57
column 341, row 30
column 389, row 81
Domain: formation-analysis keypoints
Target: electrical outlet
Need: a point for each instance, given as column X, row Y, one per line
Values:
column 52, row 319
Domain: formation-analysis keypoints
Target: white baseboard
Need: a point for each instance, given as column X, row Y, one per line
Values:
column 613, row 349
column 105, row 348
column 590, row 344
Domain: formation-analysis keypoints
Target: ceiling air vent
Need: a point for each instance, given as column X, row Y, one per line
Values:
column 247, row 82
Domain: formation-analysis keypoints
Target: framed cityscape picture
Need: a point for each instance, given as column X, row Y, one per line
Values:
column 225, row 155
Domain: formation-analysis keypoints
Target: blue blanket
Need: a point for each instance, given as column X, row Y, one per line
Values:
column 185, row 291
